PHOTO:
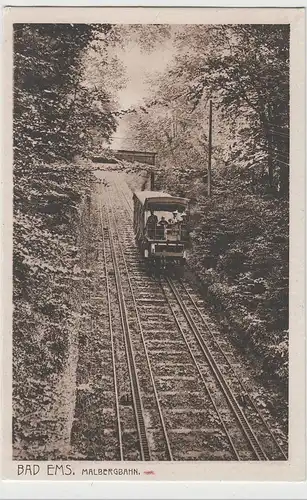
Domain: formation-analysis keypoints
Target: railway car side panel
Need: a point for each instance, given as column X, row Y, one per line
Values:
column 138, row 220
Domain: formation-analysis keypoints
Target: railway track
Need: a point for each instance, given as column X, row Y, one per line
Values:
column 188, row 359
column 254, row 414
column 158, row 356
column 236, row 385
column 244, row 424
column 97, row 416
column 130, row 356
column 112, row 340
column 208, row 359
column 133, row 334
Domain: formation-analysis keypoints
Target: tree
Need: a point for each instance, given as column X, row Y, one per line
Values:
column 245, row 69
column 240, row 235
column 52, row 108
column 54, row 115
column 247, row 73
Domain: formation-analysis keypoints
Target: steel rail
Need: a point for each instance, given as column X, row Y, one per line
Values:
column 135, row 388
column 245, row 389
column 169, row 451
column 249, row 433
column 112, row 338
column 200, row 373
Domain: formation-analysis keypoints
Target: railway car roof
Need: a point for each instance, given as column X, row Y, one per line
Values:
column 155, row 196
column 144, row 195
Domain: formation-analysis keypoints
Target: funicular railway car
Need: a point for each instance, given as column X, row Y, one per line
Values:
column 161, row 227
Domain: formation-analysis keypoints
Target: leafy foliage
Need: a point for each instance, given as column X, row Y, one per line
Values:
column 55, row 114
column 240, row 238
column 241, row 254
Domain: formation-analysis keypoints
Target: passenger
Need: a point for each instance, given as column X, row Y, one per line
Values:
column 184, row 226
column 174, row 220
column 151, row 224
column 152, row 220
column 161, row 228
column 163, row 221
column 175, row 217
column 183, row 220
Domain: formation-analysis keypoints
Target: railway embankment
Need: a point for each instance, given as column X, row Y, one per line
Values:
column 48, row 252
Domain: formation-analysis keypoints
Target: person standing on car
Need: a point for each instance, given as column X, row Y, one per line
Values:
column 175, row 217
column 152, row 220
column 151, row 224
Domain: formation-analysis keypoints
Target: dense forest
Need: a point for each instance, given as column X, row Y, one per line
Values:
column 240, row 236
column 65, row 83
column 56, row 113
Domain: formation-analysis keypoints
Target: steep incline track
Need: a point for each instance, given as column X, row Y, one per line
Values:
column 226, row 370
column 135, row 388
column 231, row 386
column 156, row 382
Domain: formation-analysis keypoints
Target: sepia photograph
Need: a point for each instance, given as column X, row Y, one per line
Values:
column 151, row 181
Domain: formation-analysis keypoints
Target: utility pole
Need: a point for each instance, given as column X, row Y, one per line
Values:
column 210, row 149
column 152, row 180
column 175, row 123
column 152, row 173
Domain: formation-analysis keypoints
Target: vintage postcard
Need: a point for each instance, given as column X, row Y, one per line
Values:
column 154, row 221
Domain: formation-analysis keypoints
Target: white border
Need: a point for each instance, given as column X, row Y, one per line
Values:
column 172, row 490
column 155, row 3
